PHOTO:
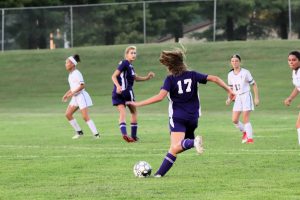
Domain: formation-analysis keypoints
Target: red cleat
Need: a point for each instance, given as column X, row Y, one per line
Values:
column 250, row 141
column 128, row 139
column 244, row 138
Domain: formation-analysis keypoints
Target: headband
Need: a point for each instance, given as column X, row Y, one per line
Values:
column 73, row 60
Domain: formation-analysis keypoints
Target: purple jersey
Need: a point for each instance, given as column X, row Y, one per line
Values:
column 183, row 96
column 126, row 77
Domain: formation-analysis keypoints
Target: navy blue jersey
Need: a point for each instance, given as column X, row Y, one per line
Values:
column 183, row 96
column 126, row 77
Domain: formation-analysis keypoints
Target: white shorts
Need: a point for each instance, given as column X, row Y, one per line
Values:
column 81, row 100
column 243, row 102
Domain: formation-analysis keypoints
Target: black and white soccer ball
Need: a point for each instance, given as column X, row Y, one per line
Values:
column 142, row 169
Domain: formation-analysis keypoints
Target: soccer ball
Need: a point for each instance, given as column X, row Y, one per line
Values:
column 142, row 169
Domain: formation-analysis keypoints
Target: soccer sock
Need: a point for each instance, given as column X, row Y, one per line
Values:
column 134, row 127
column 123, row 128
column 166, row 164
column 187, row 144
column 240, row 126
column 92, row 126
column 75, row 125
column 248, row 129
column 298, row 130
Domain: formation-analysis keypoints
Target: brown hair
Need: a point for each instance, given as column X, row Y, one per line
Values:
column 173, row 60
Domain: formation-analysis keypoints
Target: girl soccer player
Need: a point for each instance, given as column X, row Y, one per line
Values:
column 123, row 79
column 181, row 86
column 294, row 63
column 240, row 79
column 79, row 98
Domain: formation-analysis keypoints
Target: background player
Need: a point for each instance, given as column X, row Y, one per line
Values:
column 184, row 105
column 123, row 79
column 240, row 79
column 294, row 64
column 79, row 98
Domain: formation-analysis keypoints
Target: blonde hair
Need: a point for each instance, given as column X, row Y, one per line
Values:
column 128, row 49
column 174, row 61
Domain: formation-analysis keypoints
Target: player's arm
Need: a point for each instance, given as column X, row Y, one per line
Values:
column 144, row 78
column 115, row 81
column 78, row 89
column 255, row 91
column 65, row 97
column 222, row 84
column 157, row 98
column 289, row 100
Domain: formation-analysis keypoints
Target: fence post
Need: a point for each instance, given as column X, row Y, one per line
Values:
column 2, row 38
column 215, row 20
column 144, row 17
column 290, row 20
column 71, row 25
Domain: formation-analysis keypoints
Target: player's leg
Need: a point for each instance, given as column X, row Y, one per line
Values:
column 170, row 158
column 298, row 127
column 90, row 122
column 133, row 122
column 122, row 122
column 248, row 126
column 69, row 115
column 239, row 125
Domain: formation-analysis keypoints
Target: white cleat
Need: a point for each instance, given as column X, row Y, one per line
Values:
column 97, row 136
column 157, row 176
column 76, row 136
column 198, row 144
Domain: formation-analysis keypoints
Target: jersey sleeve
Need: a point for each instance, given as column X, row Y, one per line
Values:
column 201, row 78
column 229, row 81
column 122, row 65
column 167, row 84
column 79, row 77
column 249, row 78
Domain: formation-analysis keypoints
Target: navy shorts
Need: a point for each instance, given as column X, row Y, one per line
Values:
column 184, row 125
column 126, row 95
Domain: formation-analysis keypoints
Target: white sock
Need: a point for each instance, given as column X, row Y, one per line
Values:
column 298, row 130
column 240, row 126
column 92, row 126
column 75, row 125
column 248, row 129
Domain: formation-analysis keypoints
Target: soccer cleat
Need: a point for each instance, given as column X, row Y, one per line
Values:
column 97, row 136
column 244, row 138
column 157, row 176
column 250, row 141
column 77, row 136
column 198, row 144
column 135, row 139
column 128, row 139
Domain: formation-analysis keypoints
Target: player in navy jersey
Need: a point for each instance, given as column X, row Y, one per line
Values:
column 294, row 64
column 184, row 105
column 123, row 79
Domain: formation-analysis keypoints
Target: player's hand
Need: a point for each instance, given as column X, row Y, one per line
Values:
column 119, row 89
column 151, row 75
column 231, row 95
column 64, row 99
column 256, row 101
column 131, row 103
column 227, row 102
column 288, row 101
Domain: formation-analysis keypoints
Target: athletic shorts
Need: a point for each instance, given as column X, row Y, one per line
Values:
column 243, row 102
column 184, row 125
column 81, row 100
column 126, row 95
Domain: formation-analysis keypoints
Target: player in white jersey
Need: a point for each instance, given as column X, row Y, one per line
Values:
column 294, row 63
column 240, row 79
column 79, row 98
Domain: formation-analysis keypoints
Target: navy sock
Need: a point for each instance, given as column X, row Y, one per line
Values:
column 187, row 144
column 166, row 164
column 134, row 127
column 123, row 128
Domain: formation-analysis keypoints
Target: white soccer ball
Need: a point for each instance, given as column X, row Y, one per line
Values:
column 142, row 169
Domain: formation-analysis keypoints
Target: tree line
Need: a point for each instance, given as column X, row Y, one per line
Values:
column 118, row 24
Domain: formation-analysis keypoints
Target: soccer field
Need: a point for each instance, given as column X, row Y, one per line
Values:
column 39, row 160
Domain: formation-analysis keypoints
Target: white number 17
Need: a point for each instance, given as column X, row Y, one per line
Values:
column 187, row 82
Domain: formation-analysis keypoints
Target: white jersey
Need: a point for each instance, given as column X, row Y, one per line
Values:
column 240, row 83
column 296, row 79
column 75, row 80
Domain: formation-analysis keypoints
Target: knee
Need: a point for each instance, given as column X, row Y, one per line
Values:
column 68, row 116
column 86, row 118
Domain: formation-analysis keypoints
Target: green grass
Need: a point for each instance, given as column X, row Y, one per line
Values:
column 38, row 159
